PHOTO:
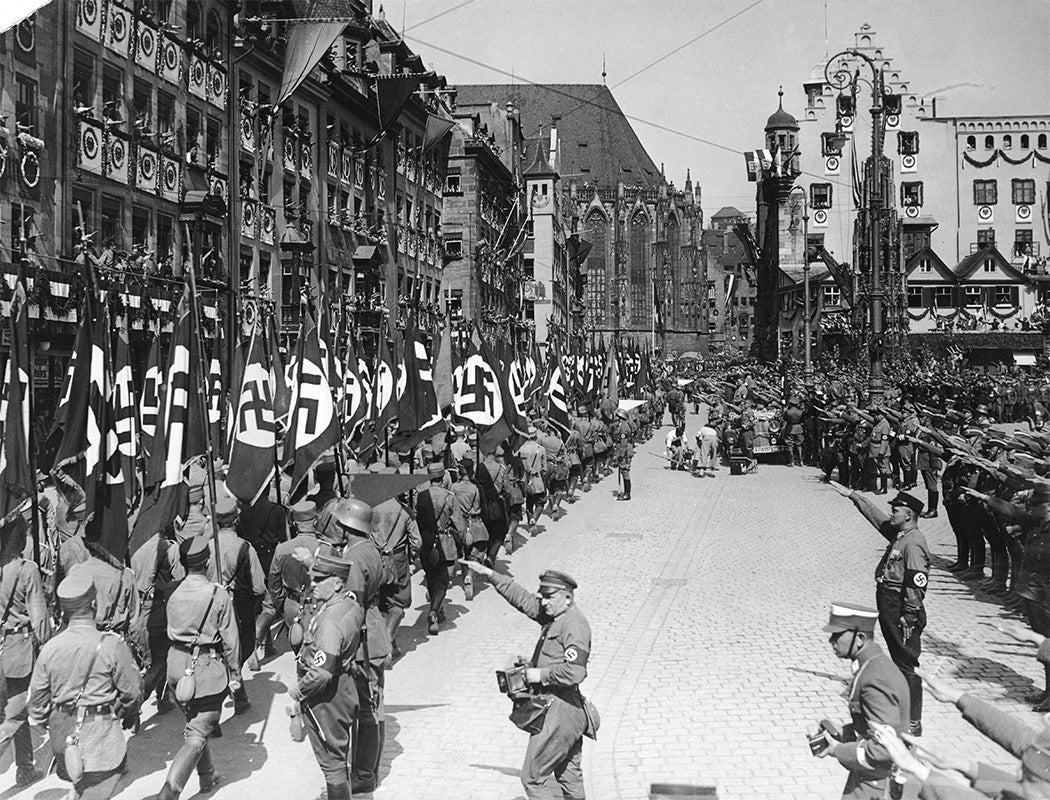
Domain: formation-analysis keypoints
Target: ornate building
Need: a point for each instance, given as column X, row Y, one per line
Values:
column 643, row 276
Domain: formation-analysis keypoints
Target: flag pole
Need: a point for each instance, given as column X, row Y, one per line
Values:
column 30, row 434
column 267, row 319
column 202, row 393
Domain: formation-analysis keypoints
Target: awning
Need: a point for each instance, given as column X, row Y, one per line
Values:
column 1024, row 359
column 365, row 252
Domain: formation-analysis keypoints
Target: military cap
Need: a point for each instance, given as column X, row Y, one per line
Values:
column 225, row 508
column 532, row 431
column 435, row 470
column 472, row 437
column 905, row 499
column 982, row 409
column 76, row 590
column 305, row 511
column 353, row 514
column 582, row 410
column 555, row 581
column 851, row 617
column 194, row 552
column 330, row 567
column 621, row 413
column 467, row 465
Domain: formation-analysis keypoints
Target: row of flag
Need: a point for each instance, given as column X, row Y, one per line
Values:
column 116, row 447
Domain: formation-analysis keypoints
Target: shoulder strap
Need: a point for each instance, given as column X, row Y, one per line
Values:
column 91, row 666
column 241, row 553
column 540, row 643
column 204, row 619
column 11, row 596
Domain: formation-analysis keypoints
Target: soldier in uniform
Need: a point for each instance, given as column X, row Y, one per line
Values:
column 904, row 454
column 157, row 571
column 366, row 578
column 901, row 579
column 84, row 684
column 325, row 692
column 623, row 450
column 747, row 428
column 794, row 433
column 116, row 598
column 202, row 628
column 585, row 427
column 878, row 693
column 71, row 547
column 879, row 448
column 534, row 463
column 24, row 626
column 395, row 533
column 434, row 507
column 558, row 667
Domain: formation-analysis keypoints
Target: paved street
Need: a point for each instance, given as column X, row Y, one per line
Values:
column 706, row 598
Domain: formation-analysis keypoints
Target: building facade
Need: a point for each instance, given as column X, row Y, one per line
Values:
column 546, row 254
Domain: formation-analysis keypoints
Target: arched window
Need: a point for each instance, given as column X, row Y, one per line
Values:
column 194, row 21
column 1042, row 141
column 596, row 294
column 213, row 39
column 989, row 142
column 672, row 291
column 1025, row 141
column 1008, row 142
column 971, row 142
column 638, row 267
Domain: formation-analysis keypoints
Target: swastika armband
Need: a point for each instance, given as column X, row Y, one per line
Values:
column 916, row 579
column 575, row 655
column 319, row 659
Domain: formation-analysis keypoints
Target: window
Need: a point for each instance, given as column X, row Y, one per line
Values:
column 986, row 236
column 21, row 225
column 214, row 141
column 942, row 297
column 988, row 265
column 915, row 297
column 914, row 241
column 1005, row 296
column 911, row 193
column 112, row 92
column 820, row 195
column 453, row 246
column 142, row 103
column 25, row 106
column 141, row 232
column 1023, row 242
column 831, row 295
column 989, row 142
column 112, row 222
column 1041, row 141
column 83, row 213
column 165, row 236
column 828, row 145
column 213, row 36
column 1026, row 142
column 83, row 79
column 985, row 193
column 194, row 133
column 1008, row 142
column 971, row 142
column 166, row 119
column 194, row 22
column 1023, row 191
column 925, row 265
column 908, row 143
column 972, row 297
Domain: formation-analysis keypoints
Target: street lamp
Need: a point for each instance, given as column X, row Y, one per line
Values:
column 807, row 372
column 842, row 71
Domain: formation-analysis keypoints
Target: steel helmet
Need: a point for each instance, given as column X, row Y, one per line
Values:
column 354, row 515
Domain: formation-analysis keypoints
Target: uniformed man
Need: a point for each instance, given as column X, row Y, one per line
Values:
column 434, row 507
column 71, row 547
column 325, row 693
column 878, row 693
column 794, row 434
column 116, row 598
column 623, row 450
column 534, row 462
column 395, row 533
column 241, row 574
column 904, row 448
column 901, row 579
column 366, row 579
column 202, row 628
column 157, row 572
column 879, row 448
column 585, row 427
column 24, row 626
column 84, row 684
column 557, row 668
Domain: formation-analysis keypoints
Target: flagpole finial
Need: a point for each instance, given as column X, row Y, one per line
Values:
column 603, row 68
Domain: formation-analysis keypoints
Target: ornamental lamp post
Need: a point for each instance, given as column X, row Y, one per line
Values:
column 807, row 372
column 843, row 72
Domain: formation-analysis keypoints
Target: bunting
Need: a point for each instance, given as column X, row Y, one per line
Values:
column 308, row 41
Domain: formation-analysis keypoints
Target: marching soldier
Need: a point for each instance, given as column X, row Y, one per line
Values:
column 203, row 664
column 623, row 450
column 116, row 598
column 901, row 580
column 558, row 667
column 878, row 693
column 84, row 684
column 24, row 627
column 585, row 427
column 395, row 533
column 434, row 507
column 366, row 578
column 325, row 693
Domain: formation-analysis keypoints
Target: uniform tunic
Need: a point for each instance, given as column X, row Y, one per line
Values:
column 217, row 640
column 561, row 656
column 112, row 690
column 289, row 578
column 115, row 594
column 397, row 537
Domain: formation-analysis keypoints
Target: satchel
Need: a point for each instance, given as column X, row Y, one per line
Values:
column 594, row 720
column 71, row 756
column 530, row 710
column 536, row 485
column 186, row 688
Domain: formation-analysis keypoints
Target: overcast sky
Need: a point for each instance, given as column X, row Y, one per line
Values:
column 723, row 86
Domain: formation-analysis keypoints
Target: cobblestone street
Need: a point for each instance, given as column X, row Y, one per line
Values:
column 706, row 598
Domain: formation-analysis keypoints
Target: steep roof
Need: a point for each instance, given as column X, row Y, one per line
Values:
column 940, row 271
column 969, row 265
column 598, row 144
column 780, row 119
column 727, row 212
column 539, row 165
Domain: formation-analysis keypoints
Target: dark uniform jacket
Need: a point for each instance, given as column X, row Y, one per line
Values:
column 289, row 578
column 214, row 632
column 115, row 593
column 367, row 577
column 905, row 565
column 24, row 621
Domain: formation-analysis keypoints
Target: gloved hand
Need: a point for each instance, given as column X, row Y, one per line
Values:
column 908, row 626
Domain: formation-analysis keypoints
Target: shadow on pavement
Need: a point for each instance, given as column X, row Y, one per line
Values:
column 979, row 668
column 514, row 772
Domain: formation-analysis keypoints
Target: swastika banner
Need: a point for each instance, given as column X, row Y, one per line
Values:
column 254, row 427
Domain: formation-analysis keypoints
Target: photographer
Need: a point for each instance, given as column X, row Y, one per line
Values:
column 551, row 707
column 877, row 693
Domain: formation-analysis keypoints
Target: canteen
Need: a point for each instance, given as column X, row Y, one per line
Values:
column 74, row 761
column 186, row 688
column 295, row 635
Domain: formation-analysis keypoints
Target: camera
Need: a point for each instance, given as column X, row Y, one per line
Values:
column 512, row 680
column 827, row 734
